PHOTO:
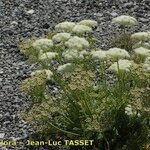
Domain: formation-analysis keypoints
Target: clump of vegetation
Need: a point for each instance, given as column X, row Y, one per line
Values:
column 116, row 117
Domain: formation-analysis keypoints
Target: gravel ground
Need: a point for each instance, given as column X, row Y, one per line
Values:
column 21, row 19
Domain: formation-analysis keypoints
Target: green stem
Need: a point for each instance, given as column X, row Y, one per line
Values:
column 67, row 118
column 119, row 80
column 85, row 101
column 68, row 132
column 104, row 75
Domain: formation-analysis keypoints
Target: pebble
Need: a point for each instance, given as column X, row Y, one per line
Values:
column 144, row 20
column 30, row 12
column 114, row 14
column 14, row 23
column 2, row 135
column 128, row 5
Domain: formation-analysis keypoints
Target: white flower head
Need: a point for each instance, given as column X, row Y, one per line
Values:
column 48, row 73
column 82, row 54
column 123, row 65
column 89, row 23
column 141, row 36
column 117, row 53
column 65, row 68
column 125, row 20
column 77, row 43
column 147, row 60
column 146, row 65
column 61, row 37
column 70, row 54
column 141, row 44
column 48, row 56
column 99, row 55
column 130, row 112
column 65, row 26
column 141, row 51
column 81, row 29
column 146, row 68
column 96, row 87
column 42, row 44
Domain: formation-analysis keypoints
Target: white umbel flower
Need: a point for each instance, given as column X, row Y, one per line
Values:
column 123, row 65
column 71, row 54
column 99, row 54
column 141, row 51
column 130, row 112
column 48, row 56
column 48, row 73
column 77, row 43
column 117, row 53
column 89, row 23
column 65, row 26
column 65, row 68
column 146, row 68
column 141, row 44
column 147, row 60
column 82, row 54
column 43, row 44
column 146, row 65
column 61, row 37
column 81, row 29
column 141, row 36
column 125, row 20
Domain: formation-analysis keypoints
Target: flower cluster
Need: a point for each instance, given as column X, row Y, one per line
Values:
column 65, row 68
column 125, row 20
column 42, row 44
column 80, row 79
column 117, row 53
column 141, row 36
column 73, row 54
column 61, row 37
column 81, row 29
column 141, row 44
column 65, row 26
column 122, row 65
column 142, row 52
column 77, row 43
column 48, row 56
column 34, row 83
column 65, row 37
column 130, row 112
column 48, row 73
column 99, row 55
column 146, row 65
column 89, row 23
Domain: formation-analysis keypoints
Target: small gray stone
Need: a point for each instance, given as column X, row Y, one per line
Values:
column 1, row 71
column 128, row 5
column 30, row 12
column 114, row 14
column 143, row 20
column 2, row 135
column 14, row 23
column 98, row 14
